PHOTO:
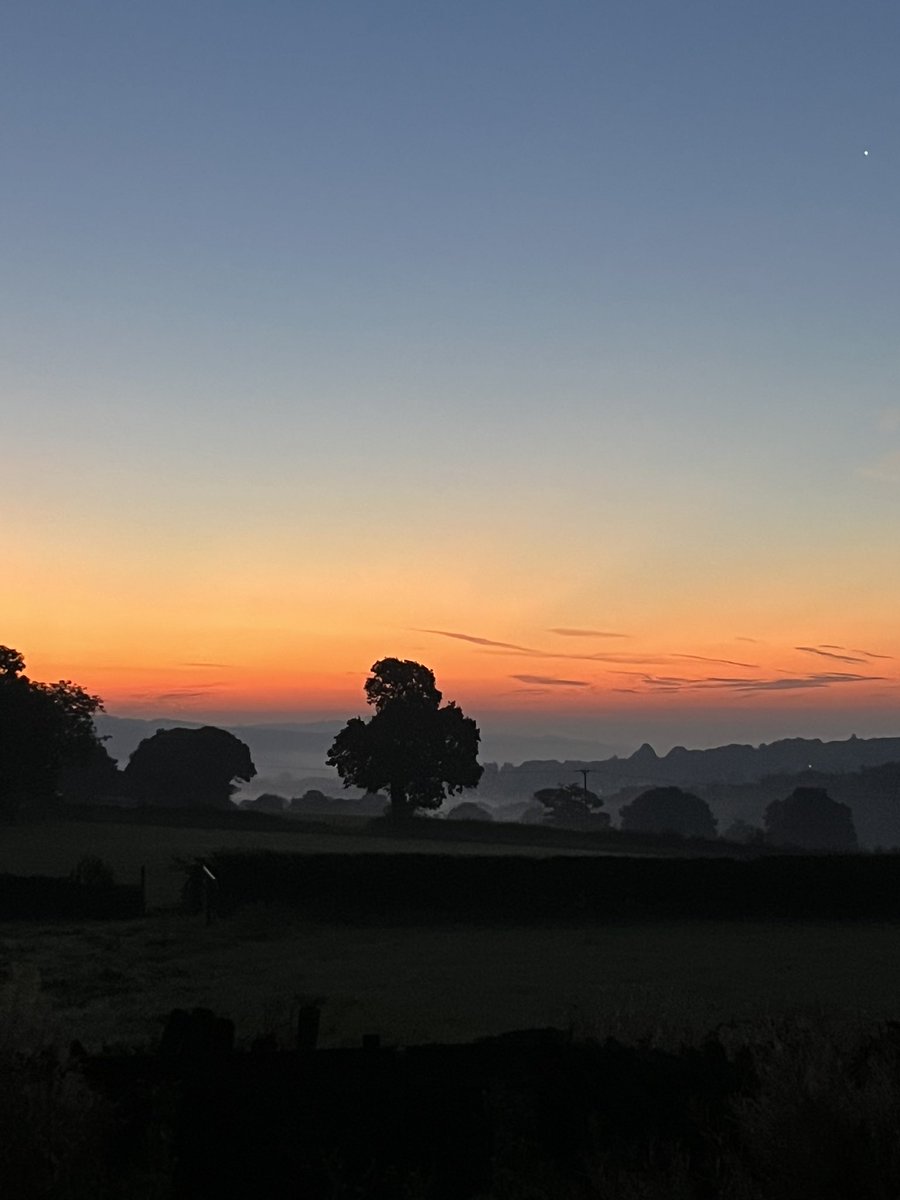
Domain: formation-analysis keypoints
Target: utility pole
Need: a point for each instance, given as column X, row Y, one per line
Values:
column 584, row 772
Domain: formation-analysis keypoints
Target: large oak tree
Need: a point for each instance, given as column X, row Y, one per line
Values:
column 412, row 747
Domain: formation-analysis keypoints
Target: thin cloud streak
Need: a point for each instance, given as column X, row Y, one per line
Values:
column 722, row 662
column 847, row 658
column 478, row 641
column 588, row 633
column 493, row 646
column 549, row 680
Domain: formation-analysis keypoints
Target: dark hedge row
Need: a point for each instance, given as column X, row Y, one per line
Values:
column 514, row 887
column 37, row 896
column 771, row 1113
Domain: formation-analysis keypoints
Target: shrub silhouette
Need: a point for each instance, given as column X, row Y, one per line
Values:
column 92, row 871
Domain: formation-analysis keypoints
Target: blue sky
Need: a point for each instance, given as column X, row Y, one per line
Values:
column 445, row 303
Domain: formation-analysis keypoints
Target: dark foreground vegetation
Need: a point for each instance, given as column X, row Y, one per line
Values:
column 37, row 897
column 770, row 1112
column 518, row 888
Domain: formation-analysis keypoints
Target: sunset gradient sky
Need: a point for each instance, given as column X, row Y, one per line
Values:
column 556, row 346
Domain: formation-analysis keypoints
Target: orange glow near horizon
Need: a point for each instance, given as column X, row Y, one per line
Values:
column 555, row 674
column 177, row 634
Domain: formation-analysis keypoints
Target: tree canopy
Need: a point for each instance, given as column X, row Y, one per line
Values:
column 572, row 806
column 189, row 767
column 412, row 746
column 668, row 810
column 809, row 818
column 44, row 727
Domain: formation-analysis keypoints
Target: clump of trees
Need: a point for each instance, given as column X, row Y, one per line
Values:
column 413, row 747
column 267, row 802
column 44, row 728
column 668, row 810
column 810, row 820
column 572, row 806
column 196, row 767
column 469, row 811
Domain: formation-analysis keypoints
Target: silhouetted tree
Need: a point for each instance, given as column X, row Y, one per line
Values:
column 93, row 776
column 269, row 802
column 668, row 810
column 412, row 747
column 809, row 818
column 572, row 806
column 43, row 727
column 313, row 799
column 469, row 811
column 184, row 767
column 743, row 832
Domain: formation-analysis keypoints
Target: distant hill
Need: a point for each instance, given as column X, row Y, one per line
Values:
column 732, row 764
column 275, row 749
column 286, row 754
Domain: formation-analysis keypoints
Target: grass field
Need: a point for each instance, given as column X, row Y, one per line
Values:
column 113, row 982
column 106, row 982
column 53, row 848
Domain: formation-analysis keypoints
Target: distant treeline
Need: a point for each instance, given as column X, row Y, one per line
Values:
column 513, row 887
column 871, row 792
column 692, row 768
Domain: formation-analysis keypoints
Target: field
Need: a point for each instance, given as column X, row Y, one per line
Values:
column 113, row 982
column 53, row 847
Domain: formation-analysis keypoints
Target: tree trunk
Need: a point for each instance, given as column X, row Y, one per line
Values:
column 399, row 806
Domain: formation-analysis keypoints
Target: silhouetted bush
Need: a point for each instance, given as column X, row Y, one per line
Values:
column 36, row 896
column 775, row 1111
column 92, row 871
column 511, row 887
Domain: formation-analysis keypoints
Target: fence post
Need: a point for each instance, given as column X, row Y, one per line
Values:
column 209, row 881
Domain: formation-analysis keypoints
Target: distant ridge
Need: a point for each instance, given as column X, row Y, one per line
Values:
column 722, row 764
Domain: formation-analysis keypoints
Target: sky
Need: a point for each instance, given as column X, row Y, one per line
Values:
column 551, row 345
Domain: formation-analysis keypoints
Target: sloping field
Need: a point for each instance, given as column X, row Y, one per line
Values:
column 53, row 848
column 116, row 981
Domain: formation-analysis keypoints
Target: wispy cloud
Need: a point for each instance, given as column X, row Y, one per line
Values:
column 550, row 681
column 492, row 646
column 807, row 681
column 210, row 665
column 738, row 686
column 722, row 662
column 872, row 654
column 478, row 641
column 847, row 658
column 755, row 641
column 588, row 633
